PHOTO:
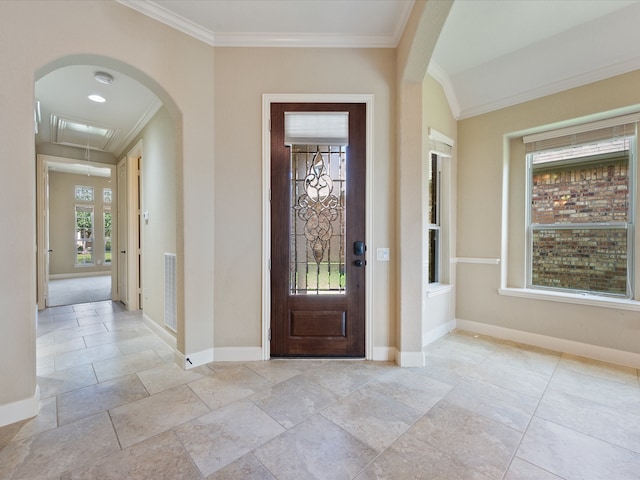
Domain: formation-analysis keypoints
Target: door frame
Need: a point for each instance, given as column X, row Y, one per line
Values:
column 42, row 222
column 267, row 100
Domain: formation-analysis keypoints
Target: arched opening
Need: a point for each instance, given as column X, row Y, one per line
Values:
column 114, row 169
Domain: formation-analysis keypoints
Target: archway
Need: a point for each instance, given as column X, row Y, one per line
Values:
column 152, row 191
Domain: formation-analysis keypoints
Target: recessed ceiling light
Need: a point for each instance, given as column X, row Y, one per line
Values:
column 104, row 77
column 97, row 98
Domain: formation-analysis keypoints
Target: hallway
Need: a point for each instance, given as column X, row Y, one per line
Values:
column 114, row 406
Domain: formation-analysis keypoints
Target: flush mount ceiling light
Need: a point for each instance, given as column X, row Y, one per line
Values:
column 104, row 77
column 97, row 98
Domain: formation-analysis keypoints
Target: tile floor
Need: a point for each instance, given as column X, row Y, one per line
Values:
column 114, row 406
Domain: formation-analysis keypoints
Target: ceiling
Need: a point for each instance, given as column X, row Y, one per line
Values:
column 490, row 54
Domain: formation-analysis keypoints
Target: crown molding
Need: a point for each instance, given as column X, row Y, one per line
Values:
column 161, row 14
column 166, row 16
column 553, row 88
column 443, row 79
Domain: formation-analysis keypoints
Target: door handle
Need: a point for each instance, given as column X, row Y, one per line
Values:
column 359, row 263
column 50, row 250
column 123, row 251
column 359, row 248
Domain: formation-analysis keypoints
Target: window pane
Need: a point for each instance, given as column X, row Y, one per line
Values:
column 106, row 195
column 84, row 193
column 434, row 249
column 433, row 190
column 84, row 235
column 581, row 192
column 580, row 259
column 317, row 242
column 107, row 237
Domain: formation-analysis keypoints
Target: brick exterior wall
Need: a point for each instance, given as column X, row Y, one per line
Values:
column 582, row 258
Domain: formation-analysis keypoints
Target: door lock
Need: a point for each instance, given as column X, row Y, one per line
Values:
column 359, row 248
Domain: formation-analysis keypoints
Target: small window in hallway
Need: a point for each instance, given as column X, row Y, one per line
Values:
column 84, row 235
column 84, row 194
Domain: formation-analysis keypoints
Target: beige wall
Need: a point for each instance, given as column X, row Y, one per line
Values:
column 179, row 70
column 482, row 147
column 242, row 76
column 62, row 222
column 439, row 310
column 159, row 233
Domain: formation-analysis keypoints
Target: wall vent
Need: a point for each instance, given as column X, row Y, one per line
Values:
column 170, row 292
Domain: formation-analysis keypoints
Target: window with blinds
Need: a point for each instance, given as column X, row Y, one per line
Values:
column 580, row 221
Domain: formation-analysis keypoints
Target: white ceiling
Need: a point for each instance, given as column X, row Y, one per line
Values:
column 496, row 53
column 109, row 126
column 490, row 54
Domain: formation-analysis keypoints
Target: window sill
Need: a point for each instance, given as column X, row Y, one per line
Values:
column 589, row 300
column 438, row 289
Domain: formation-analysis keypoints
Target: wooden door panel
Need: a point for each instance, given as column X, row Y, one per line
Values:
column 327, row 320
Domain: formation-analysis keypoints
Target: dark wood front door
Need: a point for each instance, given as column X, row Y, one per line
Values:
column 318, row 229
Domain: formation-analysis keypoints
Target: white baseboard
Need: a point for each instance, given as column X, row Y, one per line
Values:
column 595, row 352
column 385, row 354
column 20, row 410
column 195, row 359
column 237, row 354
column 60, row 276
column 410, row 359
column 161, row 332
column 438, row 332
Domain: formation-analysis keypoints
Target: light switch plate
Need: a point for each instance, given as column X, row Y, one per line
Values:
column 382, row 254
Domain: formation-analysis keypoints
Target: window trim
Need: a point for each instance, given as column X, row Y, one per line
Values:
column 441, row 146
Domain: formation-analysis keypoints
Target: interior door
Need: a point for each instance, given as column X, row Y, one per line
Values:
column 122, row 231
column 318, row 161
column 47, row 246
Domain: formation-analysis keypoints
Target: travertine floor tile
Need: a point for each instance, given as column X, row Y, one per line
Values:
column 344, row 377
column 126, row 364
column 572, row 455
column 417, row 391
column 411, row 458
column 293, row 400
column 521, row 470
column 228, row 384
column 160, row 457
column 150, row 416
column 512, row 378
column 481, row 408
column 615, row 425
column 276, row 371
column 62, row 381
column 47, row 419
column 220, row 437
column 535, row 359
column 602, row 370
column 474, row 440
column 376, row 420
column 85, row 356
column 607, row 392
column 247, row 468
column 315, row 449
column 51, row 453
column 170, row 375
column 100, row 397
column 505, row 406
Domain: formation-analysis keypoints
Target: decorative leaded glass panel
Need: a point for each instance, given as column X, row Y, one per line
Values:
column 317, row 263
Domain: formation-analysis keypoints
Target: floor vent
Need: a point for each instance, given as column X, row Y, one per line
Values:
column 170, row 290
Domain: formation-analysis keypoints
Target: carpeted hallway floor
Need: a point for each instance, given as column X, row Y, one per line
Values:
column 71, row 291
